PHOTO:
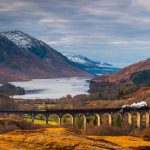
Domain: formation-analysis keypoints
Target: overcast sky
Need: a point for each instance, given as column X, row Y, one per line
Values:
column 115, row 31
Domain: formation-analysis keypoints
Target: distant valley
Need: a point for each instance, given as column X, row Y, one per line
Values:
column 24, row 57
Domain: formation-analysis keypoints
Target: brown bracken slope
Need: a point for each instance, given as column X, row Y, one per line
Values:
column 125, row 74
column 7, row 103
column 116, row 85
column 143, row 94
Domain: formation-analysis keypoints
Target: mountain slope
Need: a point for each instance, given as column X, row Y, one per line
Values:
column 94, row 67
column 24, row 57
column 125, row 74
column 118, row 85
column 7, row 103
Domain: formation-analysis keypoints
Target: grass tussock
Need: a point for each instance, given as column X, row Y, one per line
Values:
column 27, row 136
column 66, row 139
column 51, row 138
column 125, row 141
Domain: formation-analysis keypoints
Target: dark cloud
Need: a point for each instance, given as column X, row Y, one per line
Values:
column 97, row 28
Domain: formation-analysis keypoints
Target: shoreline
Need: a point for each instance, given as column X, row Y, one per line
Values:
column 53, row 88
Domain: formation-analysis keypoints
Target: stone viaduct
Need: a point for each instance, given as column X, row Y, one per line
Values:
column 88, row 112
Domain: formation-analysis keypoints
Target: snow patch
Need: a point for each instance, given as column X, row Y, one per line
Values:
column 19, row 38
column 76, row 58
column 86, row 61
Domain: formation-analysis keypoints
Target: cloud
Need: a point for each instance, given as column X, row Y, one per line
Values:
column 99, row 28
column 120, row 42
column 142, row 3
column 53, row 20
column 131, row 43
column 10, row 6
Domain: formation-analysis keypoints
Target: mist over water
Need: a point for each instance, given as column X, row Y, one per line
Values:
column 53, row 88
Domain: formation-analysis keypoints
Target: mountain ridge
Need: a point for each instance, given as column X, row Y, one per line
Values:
column 35, row 61
column 124, row 82
column 125, row 74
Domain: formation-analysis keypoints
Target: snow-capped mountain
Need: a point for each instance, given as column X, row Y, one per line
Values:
column 85, row 61
column 23, row 57
column 22, row 39
column 27, row 42
column 19, row 38
column 94, row 67
column 55, row 61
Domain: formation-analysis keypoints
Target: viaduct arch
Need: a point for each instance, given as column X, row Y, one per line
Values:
column 87, row 112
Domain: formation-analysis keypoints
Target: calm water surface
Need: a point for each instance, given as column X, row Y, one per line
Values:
column 53, row 88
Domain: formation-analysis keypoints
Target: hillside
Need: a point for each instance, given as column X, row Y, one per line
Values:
column 125, row 74
column 7, row 104
column 143, row 94
column 28, row 136
column 124, row 82
column 24, row 57
column 33, row 137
